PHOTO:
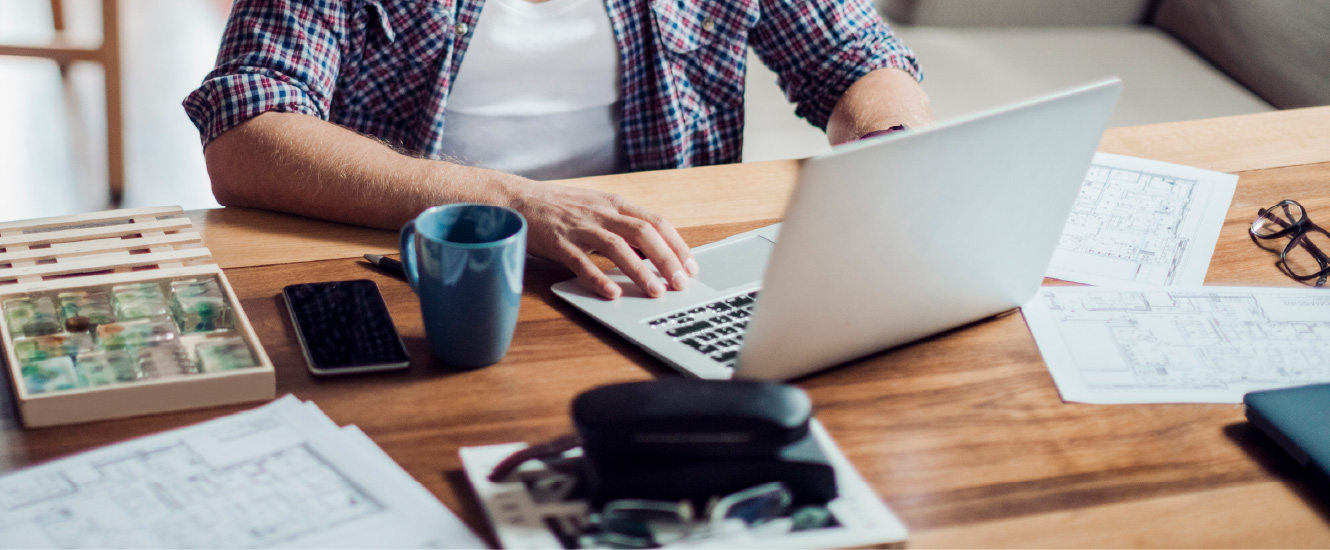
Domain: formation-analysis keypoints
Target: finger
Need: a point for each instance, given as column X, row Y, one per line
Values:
column 617, row 250
column 667, row 232
column 646, row 238
column 577, row 260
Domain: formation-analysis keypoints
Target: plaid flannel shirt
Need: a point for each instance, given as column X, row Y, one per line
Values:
column 384, row 67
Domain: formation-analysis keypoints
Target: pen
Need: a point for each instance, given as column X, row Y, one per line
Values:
column 388, row 265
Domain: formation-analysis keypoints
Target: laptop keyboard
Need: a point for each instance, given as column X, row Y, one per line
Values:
column 715, row 330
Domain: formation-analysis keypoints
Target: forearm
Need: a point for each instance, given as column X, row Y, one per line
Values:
column 877, row 101
column 302, row 165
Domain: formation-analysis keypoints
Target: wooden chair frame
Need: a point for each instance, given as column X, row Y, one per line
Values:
column 108, row 55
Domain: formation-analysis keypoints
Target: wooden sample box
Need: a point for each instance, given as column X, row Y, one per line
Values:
column 101, row 317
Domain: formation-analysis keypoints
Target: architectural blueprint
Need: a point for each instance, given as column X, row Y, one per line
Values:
column 280, row 476
column 1180, row 345
column 1142, row 222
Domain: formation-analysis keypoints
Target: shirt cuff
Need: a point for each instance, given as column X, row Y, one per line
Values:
column 224, row 101
column 846, row 67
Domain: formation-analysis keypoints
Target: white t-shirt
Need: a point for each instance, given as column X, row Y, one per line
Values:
column 538, row 91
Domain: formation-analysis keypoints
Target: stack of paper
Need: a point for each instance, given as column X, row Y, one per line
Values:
column 282, row 475
column 1143, row 232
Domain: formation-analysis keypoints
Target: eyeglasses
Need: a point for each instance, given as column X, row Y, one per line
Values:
column 634, row 523
column 1305, row 256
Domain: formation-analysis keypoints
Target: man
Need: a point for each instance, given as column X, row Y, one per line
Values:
column 370, row 111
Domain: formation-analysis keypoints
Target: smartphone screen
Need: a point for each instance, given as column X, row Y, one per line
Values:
column 344, row 327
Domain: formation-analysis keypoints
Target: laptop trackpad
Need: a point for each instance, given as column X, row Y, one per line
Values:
column 738, row 263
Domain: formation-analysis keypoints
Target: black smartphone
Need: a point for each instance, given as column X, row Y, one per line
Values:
column 344, row 327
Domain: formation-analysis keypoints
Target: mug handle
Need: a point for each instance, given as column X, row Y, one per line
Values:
column 406, row 245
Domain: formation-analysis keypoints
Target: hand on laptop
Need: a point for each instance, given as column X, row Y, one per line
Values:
column 566, row 223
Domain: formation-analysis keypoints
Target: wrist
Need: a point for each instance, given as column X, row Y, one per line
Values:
column 512, row 191
column 451, row 182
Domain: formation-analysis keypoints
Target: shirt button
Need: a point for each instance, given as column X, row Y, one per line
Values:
column 708, row 24
column 461, row 29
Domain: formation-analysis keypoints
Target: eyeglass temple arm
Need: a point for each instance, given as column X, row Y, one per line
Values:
column 544, row 450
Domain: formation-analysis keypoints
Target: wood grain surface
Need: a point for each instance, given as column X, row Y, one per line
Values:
column 962, row 434
column 1272, row 139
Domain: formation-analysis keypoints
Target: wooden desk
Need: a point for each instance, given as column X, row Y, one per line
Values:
column 963, row 434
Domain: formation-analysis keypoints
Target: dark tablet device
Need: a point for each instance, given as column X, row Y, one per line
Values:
column 1298, row 419
column 684, row 418
column 680, row 438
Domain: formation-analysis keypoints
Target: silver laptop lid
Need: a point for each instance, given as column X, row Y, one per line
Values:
column 890, row 240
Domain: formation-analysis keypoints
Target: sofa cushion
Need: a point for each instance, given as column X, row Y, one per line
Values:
column 1015, row 13
column 1279, row 49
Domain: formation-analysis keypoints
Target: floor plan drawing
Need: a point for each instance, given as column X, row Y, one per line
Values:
column 257, row 503
column 1142, row 222
column 282, row 476
column 1197, row 345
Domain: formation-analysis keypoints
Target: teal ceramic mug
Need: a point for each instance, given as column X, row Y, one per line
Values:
column 465, row 262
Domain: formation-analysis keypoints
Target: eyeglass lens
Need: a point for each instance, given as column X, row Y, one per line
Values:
column 634, row 518
column 1306, row 255
column 1277, row 218
column 755, row 505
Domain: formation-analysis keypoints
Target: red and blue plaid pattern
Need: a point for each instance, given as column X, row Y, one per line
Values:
column 384, row 68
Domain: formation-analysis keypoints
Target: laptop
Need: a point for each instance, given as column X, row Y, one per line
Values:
column 885, row 241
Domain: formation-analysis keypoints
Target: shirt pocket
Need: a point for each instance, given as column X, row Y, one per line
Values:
column 705, row 45
column 396, row 58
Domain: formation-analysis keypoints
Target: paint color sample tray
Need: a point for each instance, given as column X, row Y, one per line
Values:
column 120, row 313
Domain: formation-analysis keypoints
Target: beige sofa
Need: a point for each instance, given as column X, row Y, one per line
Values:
column 1178, row 59
column 1279, row 49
